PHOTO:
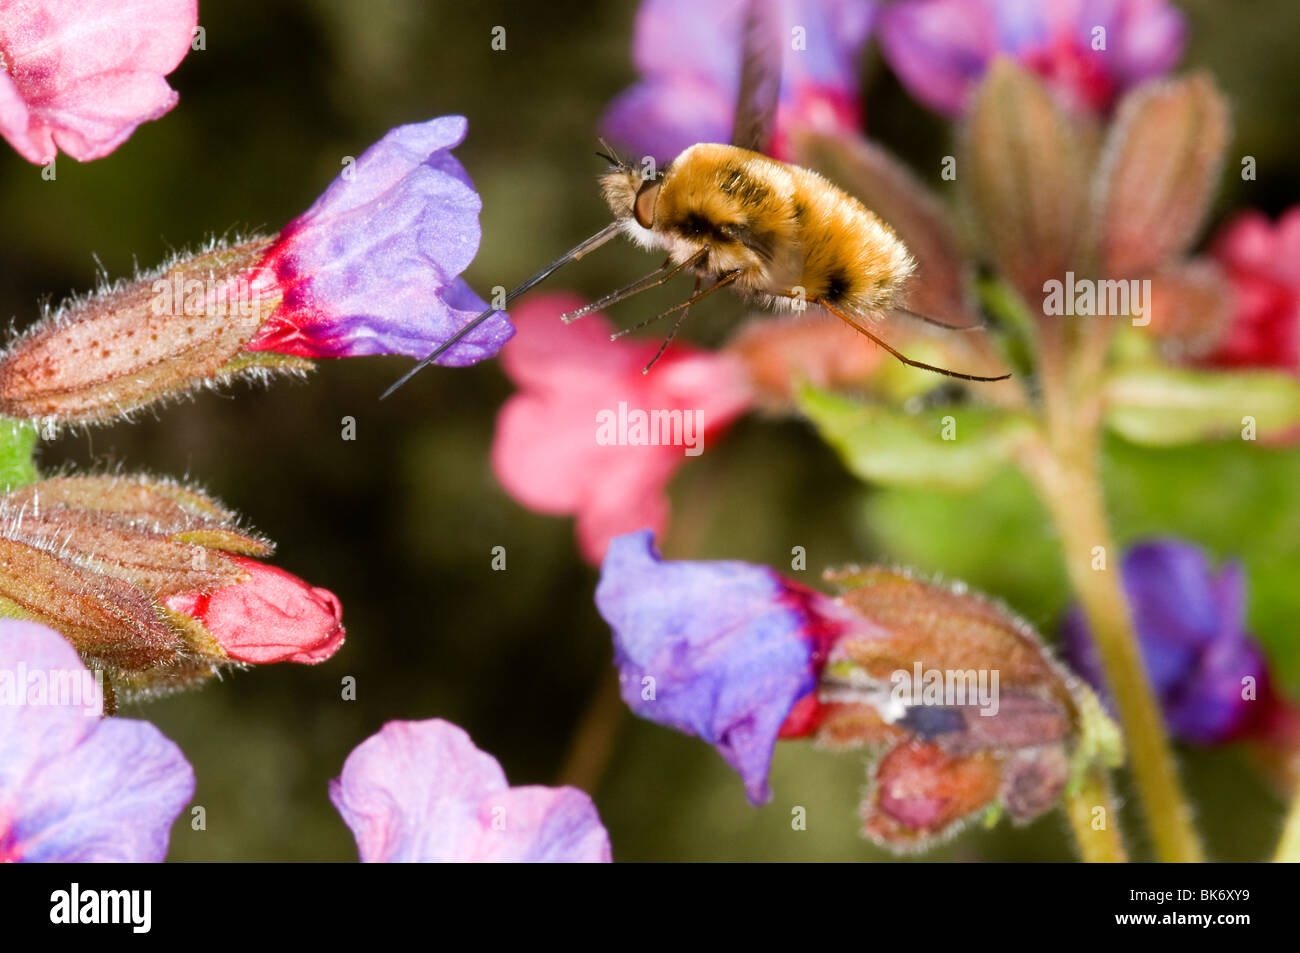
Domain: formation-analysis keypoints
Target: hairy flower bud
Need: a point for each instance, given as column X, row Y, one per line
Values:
column 973, row 715
column 127, row 569
column 135, row 342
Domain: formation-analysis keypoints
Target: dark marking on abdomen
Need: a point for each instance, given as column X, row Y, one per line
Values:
column 838, row 286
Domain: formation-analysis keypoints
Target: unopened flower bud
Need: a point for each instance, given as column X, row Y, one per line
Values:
column 153, row 582
column 973, row 713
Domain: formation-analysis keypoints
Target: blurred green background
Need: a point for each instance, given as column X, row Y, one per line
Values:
column 400, row 523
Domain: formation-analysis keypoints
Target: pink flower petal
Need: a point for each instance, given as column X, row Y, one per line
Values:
column 546, row 452
column 80, row 75
column 420, row 791
column 1262, row 262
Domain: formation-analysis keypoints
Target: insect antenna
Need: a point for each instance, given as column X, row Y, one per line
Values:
column 610, row 155
column 573, row 254
column 822, row 302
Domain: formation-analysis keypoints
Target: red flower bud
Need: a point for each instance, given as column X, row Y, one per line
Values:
column 152, row 582
column 270, row 616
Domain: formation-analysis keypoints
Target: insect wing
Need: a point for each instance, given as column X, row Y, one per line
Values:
column 760, row 76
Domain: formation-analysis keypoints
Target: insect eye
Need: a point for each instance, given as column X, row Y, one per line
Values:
column 644, row 206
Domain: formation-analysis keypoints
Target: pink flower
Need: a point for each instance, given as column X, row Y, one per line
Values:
column 1262, row 262
column 272, row 616
column 421, row 792
column 80, row 75
column 570, row 443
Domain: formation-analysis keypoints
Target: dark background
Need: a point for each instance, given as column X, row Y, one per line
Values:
column 400, row 523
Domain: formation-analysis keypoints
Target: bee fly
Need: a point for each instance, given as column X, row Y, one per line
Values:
column 778, row 234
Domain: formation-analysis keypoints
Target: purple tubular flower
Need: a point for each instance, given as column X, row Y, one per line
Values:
column 720, row 650
column 420, row 791
column 372, row 267
column 1190, row 622
column 76, row 787
column 1088, row 50
column 689, row 57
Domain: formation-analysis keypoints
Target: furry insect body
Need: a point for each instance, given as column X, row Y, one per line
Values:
column 790, row 234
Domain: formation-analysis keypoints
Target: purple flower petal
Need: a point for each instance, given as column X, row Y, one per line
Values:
column 941, row 48
column 1190, row 623
column 729, row 648
column 420, row 791
column 1151, row 35
column 372, row 267
column 73, row 786
column 689, row 57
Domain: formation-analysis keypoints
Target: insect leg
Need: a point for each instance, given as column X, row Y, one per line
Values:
column 937, row 323
column 644, row 283
column 673, row 333
column 898, row 354
column 649, row 321
column 684, row 307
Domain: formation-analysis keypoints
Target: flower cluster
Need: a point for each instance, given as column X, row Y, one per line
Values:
column 690, row 58
column 1086, row 175
column 738, row 656
column 77, row 787
column 1088, row 53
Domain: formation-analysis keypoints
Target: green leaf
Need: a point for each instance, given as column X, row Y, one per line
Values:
column 1166, row 406
column 997, row 539
column 17, row 441
column 959, row 447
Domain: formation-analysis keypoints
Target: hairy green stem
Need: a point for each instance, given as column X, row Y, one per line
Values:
column 1068, row 480
column 1097, row 835
column 17, row 445
column 593, row 741
column 1288, row 848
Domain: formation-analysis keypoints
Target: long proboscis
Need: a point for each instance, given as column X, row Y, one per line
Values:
column 573, row 254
